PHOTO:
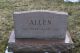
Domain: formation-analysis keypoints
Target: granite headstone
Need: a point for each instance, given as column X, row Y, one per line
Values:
column 40, row 24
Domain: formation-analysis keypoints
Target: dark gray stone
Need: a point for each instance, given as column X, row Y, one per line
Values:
column 40, row 24
column 16, row 46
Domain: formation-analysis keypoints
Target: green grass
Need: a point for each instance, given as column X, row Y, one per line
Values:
column 7, row 7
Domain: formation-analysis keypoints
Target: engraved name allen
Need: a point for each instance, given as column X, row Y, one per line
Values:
column 39, row 22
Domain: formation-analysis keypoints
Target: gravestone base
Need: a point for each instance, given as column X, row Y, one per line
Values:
column 38, row 45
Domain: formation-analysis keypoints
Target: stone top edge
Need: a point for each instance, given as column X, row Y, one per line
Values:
column 56, row 12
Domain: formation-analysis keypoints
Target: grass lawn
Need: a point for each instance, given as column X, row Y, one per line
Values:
column 7, row 7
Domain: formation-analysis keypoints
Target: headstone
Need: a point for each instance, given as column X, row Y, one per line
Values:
column 39, row 31
column 40, row 24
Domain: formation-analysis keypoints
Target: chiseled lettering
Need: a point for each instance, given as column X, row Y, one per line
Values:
column 39, row 22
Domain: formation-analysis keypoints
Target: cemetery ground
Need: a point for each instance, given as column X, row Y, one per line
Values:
column 7, row 7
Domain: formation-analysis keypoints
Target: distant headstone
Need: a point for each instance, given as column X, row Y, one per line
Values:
column 40, row 24
column 71, row 0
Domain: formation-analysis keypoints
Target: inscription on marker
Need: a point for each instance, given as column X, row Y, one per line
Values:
column 40, row 24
